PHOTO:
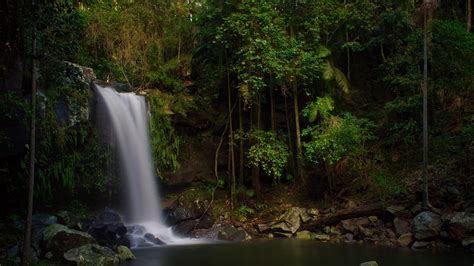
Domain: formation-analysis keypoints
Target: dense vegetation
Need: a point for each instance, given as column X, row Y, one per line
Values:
column 323, row 95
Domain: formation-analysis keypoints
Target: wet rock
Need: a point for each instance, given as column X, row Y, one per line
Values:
column 230, row 233
column 91, row 254
column 462, row 224
column 405, row 239
column 136, row 229
column 467, row 242
column 261, row 228
column 124, row 254
column 401, row 226
column 58, row 239
column 350, row 226
column 426, row 225
column 289, row 222
column 395, row 209
column 107, row 228
column 182, row 210
column 321, row 237
column 420, row 244
column 373, row 219
column 369, row 263
column 366, row 232
column 313, row 212
column 305, row 235
column 151, row 238
column 186, row 228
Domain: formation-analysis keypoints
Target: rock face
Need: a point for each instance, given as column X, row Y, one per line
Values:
column 401, row 226
column 107, row 228
column 289, row 222
column 426, row 225
column 186, row 216
column 462, row 224
column 230, row 233
column 58, row 239
column 91, row 254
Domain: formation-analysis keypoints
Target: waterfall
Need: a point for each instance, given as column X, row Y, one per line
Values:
column 127, row 115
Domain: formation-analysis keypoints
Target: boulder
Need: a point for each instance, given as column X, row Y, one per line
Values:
column 155, row 240
column 182, row 210
column 426, row 225
column 401, row 226
column 230, row 233
column 321, row 237
column 305, row 235
column 186, row 228
column 462, row 224
column 91, row 254
column 420, row 244
column 289, row 222
column 467, row 242
column 58, row 239
column 107, row 228
column 405, row 239
column 369, row 263
column 124, row 254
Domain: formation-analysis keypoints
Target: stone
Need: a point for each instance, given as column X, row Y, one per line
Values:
column 58, row 239
column 305, row 235
column 395, row 209
column 405, row 239
column 366, row 232
column 467, row 242
column 420, row 244
column 321, row 237
column 313, row 212
column 107, row 228
column 426, row 225
column 350, row 226
column 263, row 228
column 373, row 219
column 390, row 234
column 151, row 238
column 230, row 233
column 186, row 228
column 462, row 224
column 64, row 217
column 91, row 254
column 334, row 231
column 401, row 226
column 124, row 253
column 289, row 222
column 183, row 209
column 369, row 263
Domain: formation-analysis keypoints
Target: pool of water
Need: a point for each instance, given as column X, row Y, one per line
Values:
column 292, row 253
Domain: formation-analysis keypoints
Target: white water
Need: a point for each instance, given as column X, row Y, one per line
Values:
column 127, row 113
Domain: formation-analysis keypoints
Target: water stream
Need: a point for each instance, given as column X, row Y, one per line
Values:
column 127, row 114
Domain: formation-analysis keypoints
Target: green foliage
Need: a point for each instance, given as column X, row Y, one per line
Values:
column 322, row 107
column 268, row 152
column 165, row 142
column 244, row 213
column 336, row 137
column 388, row 187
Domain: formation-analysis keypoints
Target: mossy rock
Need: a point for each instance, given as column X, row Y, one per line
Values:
column 58, row 239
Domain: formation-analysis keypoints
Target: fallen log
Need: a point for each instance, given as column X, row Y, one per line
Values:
column 376, row 209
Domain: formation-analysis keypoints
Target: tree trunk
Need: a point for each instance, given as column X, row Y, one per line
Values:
column 290, row 142
column 469, row 15
column 231, row 138
column 425, row 109
column 255, row 172
column 241, row 145
column 299, row 149
column 272, row 110
column 31, row 182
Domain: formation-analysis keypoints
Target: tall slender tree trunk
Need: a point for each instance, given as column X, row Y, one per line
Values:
column 299, row 148
column 469, row 15
column 425, row 108
column 31, row 181
column 255, row 172
column 241, row 144
column 290, row 142
column 231, row 137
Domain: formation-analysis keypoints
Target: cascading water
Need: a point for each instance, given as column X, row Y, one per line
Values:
column 127, row 113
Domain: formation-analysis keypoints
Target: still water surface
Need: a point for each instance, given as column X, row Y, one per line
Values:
column 292, row 253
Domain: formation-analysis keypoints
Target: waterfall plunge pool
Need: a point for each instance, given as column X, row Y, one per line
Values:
column 292, row 253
